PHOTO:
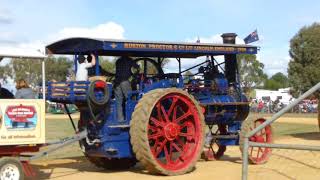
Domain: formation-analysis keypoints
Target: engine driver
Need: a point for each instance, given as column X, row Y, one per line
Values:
column 122, row 84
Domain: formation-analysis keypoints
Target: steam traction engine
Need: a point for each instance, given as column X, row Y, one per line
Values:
column 165, row 115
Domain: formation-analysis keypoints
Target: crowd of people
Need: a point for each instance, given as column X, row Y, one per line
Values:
column 85, row 68
column 23, row 91
column 269, row 106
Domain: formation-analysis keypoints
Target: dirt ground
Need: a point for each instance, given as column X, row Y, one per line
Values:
column 284, row 164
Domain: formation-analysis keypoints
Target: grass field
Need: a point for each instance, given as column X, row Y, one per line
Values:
column 61, row 128
column 69, row 163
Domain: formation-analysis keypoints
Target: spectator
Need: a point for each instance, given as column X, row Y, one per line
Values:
column 254, row 106
column 314, row 107
column 260, row 106
column 23, row 90
column 5, row 93
column 270, row 106
column 83, row 65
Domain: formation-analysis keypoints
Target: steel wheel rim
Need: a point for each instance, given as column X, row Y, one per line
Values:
column 259, row 154
column 9, row 172
column 174, row 131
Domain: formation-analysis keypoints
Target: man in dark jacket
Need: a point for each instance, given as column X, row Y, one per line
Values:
column 5, row 94
column 122, row 84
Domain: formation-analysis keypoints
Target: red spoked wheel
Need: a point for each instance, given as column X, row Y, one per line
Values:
column 214, row 151
column 257, row 155
column 167, row 131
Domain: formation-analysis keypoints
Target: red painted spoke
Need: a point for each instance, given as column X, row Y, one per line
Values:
column 159, row 111
column 187, row 124
column 157, row 152
column 262, row 132
column 171, row 152
column 257, row 136
column 174, row 131
column 164, row 114
column 155, row 145
column 167, row 155
column 182, row 153
column 179, row 141
column 156, row 122
column 173, row 144
column 156, row 135
column 267, row 131
column 174, row 101
column 174, row 117
column 258, row 152
column 251, row 151
column 188, row 134
column 183, row 117
column 152, row 128
column 264, row 138
column 190, row 131
column 261, row 150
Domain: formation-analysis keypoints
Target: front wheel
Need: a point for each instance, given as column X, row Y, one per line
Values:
column 167, row 131
column 257, row 155
column 11, row 169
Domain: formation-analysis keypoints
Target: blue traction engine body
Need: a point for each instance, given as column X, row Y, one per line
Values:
column 214, row 85
column 221, row 103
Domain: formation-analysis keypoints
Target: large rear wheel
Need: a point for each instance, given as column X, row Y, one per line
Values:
column 167, row 131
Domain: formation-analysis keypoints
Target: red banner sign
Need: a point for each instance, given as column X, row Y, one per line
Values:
column 20, row 113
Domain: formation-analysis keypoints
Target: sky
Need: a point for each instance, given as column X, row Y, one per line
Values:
column 35, row 23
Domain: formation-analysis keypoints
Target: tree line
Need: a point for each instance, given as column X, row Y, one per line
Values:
column 303, row 68
column 252, row 75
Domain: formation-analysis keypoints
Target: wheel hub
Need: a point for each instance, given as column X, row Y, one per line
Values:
column 9, row 172
column 257, row 139
column 171, row 131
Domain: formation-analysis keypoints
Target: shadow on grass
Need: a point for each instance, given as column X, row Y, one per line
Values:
column 66, row 167
column 228, row 158
column 298, row 161
column 307, row 135
column 236, row 160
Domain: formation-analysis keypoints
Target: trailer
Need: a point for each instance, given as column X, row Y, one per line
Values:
column 165, row 114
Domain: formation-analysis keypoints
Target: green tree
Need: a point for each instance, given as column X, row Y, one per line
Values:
column 108, row 64
column 57, row 68
column 271, row 84
column 31, row 69
column 251, row 72
column 2, row 74
column 277, row 81
column 187, row 76
column 281, row 79
column 303, row 69
column 27, row 69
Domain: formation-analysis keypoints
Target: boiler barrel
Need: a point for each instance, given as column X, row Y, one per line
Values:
column 224, row 109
